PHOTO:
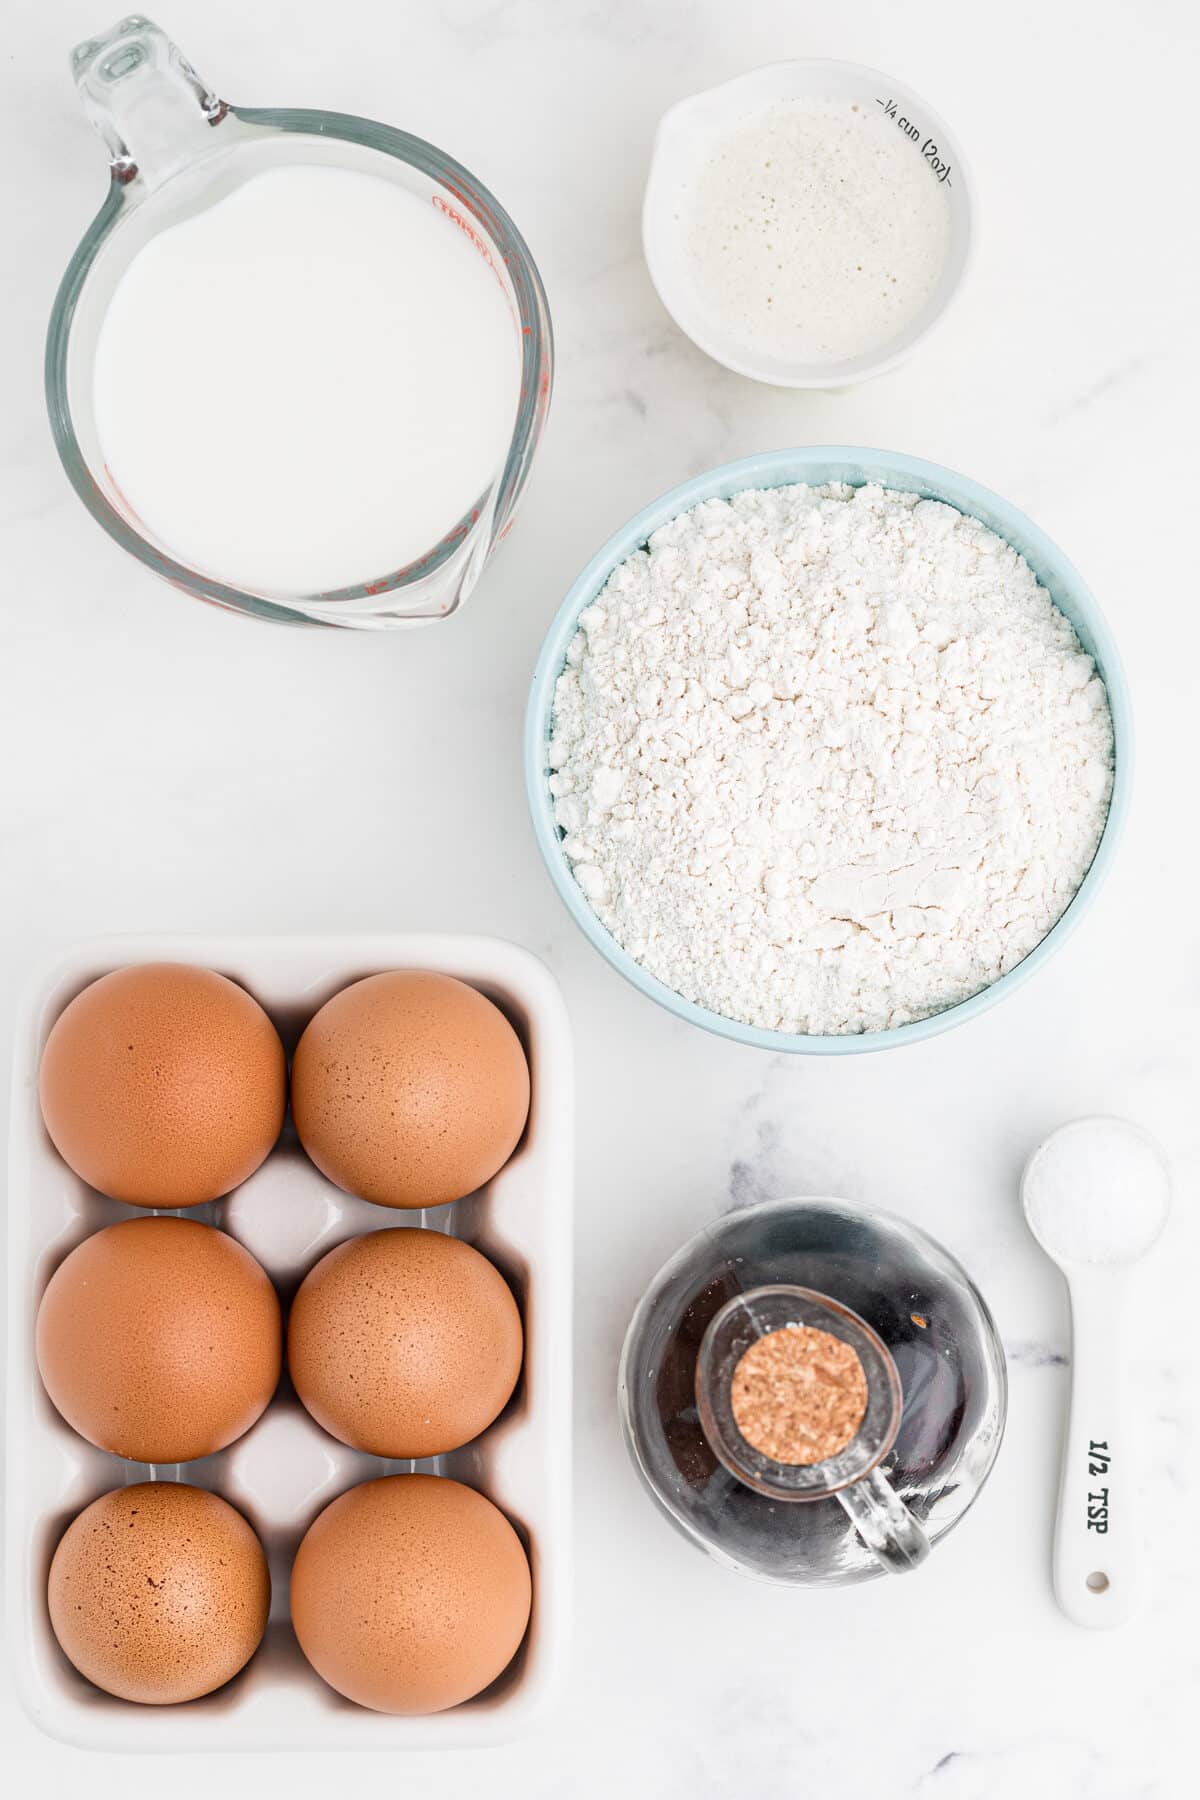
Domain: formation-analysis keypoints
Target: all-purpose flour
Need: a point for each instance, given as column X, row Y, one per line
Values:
column 828, row 759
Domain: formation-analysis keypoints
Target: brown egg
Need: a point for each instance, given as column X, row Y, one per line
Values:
column 404, row 1342
column 159, row 1339
column 159, row 1592
column 163, row 1085
column 410, row 1089
column 410, row 1594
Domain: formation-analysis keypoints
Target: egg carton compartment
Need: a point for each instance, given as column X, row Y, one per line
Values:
column 286, row 1468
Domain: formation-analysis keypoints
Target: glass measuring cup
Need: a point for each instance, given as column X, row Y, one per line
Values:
column 853, row 1475
column 175, row 148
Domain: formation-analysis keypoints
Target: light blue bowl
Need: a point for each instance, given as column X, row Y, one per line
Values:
column 817, row 464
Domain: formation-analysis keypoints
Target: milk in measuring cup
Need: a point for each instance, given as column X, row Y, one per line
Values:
column 308, row 384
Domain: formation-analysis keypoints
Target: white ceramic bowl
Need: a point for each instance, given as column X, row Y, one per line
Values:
column 286, row 1469
column 688, row 133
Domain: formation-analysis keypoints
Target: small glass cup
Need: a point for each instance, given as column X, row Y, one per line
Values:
column 852, row 1476
column 175, row 147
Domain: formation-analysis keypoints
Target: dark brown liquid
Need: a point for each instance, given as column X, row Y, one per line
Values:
column 929, row 1321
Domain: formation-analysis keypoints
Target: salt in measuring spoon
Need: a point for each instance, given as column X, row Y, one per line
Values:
column 1096, row 1196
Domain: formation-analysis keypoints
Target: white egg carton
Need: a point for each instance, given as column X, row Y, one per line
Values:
column 286, row 1468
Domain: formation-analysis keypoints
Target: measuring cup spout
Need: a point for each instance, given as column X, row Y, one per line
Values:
column 145, row 99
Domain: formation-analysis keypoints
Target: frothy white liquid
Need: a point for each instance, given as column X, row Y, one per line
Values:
column 816, row 231
column 307, row 385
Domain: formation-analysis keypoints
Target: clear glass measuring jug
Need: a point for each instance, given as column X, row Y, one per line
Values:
column 935, row 1380
column 175, row 148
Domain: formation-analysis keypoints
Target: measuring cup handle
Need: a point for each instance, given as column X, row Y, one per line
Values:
column 884, row 1523
column 145, row 99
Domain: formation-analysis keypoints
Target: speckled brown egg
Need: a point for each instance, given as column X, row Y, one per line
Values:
column 163, row 1085
column 410, row 1594
column 404, row 1342
column 159, row 1339
column 410, row 1089
column 159, row 1592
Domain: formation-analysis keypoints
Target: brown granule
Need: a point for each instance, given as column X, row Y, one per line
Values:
column 799, row 1395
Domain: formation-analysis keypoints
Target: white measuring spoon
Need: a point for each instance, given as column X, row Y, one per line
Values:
column 1096, row 1196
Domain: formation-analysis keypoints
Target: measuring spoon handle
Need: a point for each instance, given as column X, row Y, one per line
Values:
column 1095, row 1550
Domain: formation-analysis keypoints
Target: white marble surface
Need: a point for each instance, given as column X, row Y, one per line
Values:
column 168, row 766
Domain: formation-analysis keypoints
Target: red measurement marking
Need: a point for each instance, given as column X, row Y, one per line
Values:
column 467, row 230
